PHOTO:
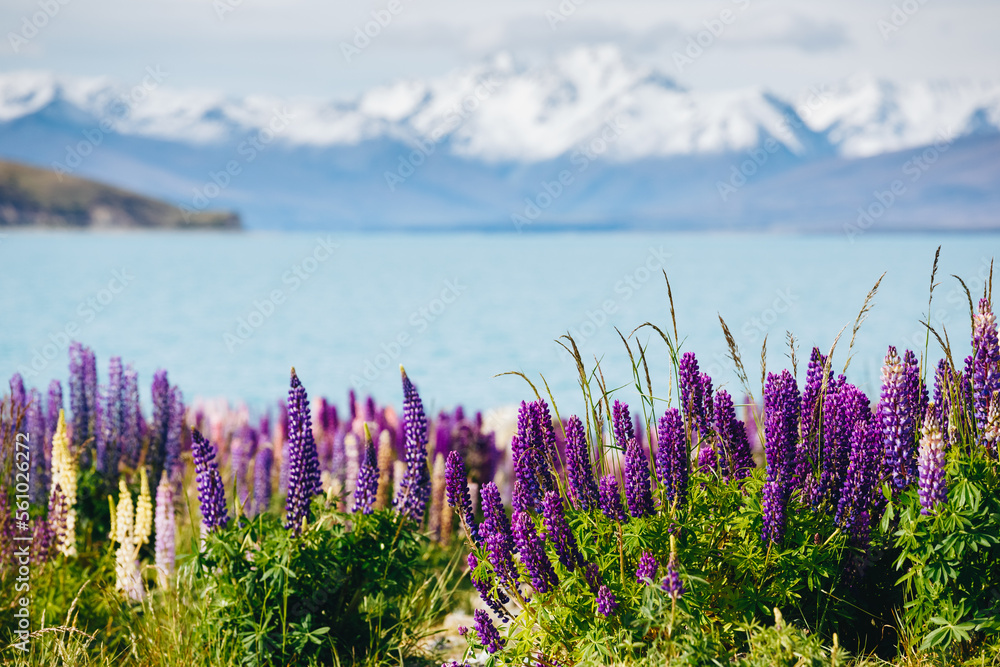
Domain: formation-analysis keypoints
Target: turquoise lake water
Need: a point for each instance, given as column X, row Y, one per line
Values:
column 228, row 315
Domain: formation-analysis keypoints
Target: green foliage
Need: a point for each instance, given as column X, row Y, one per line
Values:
column 950, row 560
column 350, row 588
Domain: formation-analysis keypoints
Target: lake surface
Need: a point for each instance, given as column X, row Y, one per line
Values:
column 228, row 315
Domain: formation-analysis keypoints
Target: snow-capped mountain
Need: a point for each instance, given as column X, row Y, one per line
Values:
column 471, row 146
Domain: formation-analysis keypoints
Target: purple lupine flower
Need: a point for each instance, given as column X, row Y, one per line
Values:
column 985, row 366
column 845, row 404
column 610, row 499
column 415, row 487
column 82, row 397
column 672, row 457
column 807, row 449
column 487, row 632
column 559, row 532
column 484, row 586
column 499, row 548
column 692, row 396
column 708, row 459
column 933, row 488
column 942, row 397
column 303, row 460
column 112, row 422
column 240, row 453
column 672, row 583
column 638, row 485
column 457, row 493
column 262, row 480
column 637, row 477
column 646, row 570
column 898, row 405
column 781, row 425
column 52, row 408
column 159, row 426
column 592, row 575
column 131, row 437
column 708, row 407
column 367, row 487
column 532, row 449
column 211, row 494
column 175, row 425
column 621, row 422
column 732, row 438
column 532, row 550
column 35, row 426
column 606, row 602
column 864, row 464
column 166, row 530
column 18, row 396
column 582, row 486
column 494, row 516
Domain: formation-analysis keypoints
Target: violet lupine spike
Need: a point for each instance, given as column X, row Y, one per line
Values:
column 93, row 405
column 487, row 632
column 942, row 398
column 303, row 459
column 807, row 451
column 708, row 459
column 985, row 367
column 782, row 404
column 262, row 480
column 415, row 487
column 708, row 406
column 211, row 494
column 638, row 485
column 457, row 493
column 532, row 550
column 672, row 583
column 367, row 486
column 645, row 572
column 131, row 438
column 78, row 395
column 915, row 388
column 692, row 399
column 531, row 449
column 579, row 470
column 672, row 457
column 592, row 575
column 499, row 548
column 606, row 602
column 35, row 427
column 845, row 405
column 52, row 408
column 159, row 426
column 485, row 588
column 172, row 447
column 18, row 395
column 732, row 436
column 933, row 489
column 863, row 469
column 559, row 532
column 112, row 422
column 494, row 516
column 621, row 421
column 897, row 406
column 610, row 499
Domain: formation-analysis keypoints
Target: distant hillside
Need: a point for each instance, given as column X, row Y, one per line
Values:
column 31, row 197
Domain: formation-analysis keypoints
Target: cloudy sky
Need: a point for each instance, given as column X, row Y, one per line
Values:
column 311, row 48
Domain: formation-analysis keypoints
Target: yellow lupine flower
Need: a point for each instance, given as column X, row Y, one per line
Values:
column 143, row 511
column 64, row 472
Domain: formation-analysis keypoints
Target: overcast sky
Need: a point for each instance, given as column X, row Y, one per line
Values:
column 295, row 47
